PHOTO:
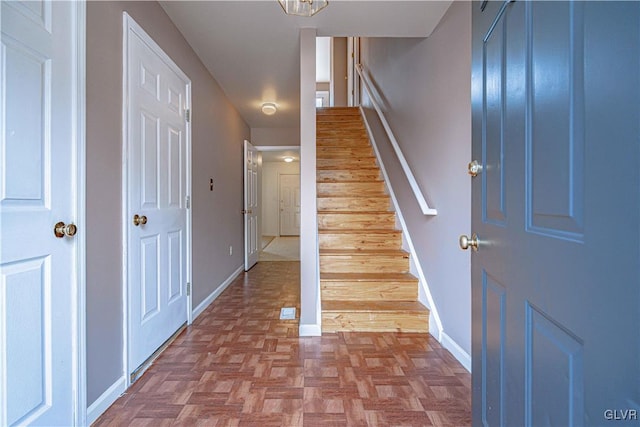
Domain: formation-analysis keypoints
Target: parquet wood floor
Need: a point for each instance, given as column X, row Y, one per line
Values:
column 239, row 365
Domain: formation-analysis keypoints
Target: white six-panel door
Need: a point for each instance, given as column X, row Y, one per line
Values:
column 251, row 208
column 157, row 96
column 290, row 205
column 38, row 185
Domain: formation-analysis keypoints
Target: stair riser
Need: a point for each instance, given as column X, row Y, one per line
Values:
column 362, row 221
column 356, row 204
column 342, row 152
column 338, row 120
column 360, row 241
column 343, row 142
column 333, row 189
column 363, row 264
column 365, row 162
column 338, row 133
column 369, row 291
column 341, row 127
column 375, row 322
column 338, row 111
column 348, row 175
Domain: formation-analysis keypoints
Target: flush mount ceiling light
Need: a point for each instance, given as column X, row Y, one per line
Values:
column 303, row 7
column 288, row 159
column 269, row 108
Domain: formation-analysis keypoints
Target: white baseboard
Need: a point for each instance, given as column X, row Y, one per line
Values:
column 310, row 330
column 107, row 398
column 208, row 300
column 462, row 356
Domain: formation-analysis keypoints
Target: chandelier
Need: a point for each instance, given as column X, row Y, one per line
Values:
column 303, row 7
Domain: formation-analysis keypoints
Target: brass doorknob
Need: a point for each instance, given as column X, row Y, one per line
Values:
column 466, row 242
column 139, row 220
column 474, row 168
column 61, row 229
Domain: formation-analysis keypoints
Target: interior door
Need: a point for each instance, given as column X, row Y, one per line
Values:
column 289, row 205
column 251, row 208
column 158, row 96
column 38, row 184
column 556, row 205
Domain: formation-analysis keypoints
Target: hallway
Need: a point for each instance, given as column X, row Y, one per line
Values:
column 238, row 364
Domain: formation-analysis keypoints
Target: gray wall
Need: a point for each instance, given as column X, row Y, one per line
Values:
column 217, row 135
column 339, row 71
column 275, row 136
column 426, row 86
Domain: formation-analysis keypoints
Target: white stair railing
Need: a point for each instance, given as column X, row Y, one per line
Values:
column 366, row 83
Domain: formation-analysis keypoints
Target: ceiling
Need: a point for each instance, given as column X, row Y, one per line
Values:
column 252, row 47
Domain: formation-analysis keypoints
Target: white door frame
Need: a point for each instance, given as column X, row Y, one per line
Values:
column 130, row 24
column 79, row 106
column 353, row 79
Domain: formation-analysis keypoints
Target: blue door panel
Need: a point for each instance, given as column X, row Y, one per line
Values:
column 555, row 118
column 493, row 340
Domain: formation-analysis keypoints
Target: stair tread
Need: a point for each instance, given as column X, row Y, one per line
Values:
column 363, row 252
column 359, row 231
column 350, row 181
column 356, row 212
column 368, row 277
column 373, row 306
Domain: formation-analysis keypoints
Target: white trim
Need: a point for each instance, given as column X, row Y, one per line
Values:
column 434, row 317
column 215, row 294
column 309, row 330
column 130, row 25
column 125, row 207
column 79, row 311
column 457, row 351
column 277, row 147
column 105, row 400
column 426, row 210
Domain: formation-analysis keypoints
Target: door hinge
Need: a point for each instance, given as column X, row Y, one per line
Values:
column 187, row 202
column 188, row 289
column 187, row 114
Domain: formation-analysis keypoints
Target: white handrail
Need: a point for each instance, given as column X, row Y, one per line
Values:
column 426, row 210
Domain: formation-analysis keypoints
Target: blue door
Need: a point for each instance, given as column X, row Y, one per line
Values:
column 556, row 207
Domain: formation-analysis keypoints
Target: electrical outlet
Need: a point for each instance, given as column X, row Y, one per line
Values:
column 230, row 250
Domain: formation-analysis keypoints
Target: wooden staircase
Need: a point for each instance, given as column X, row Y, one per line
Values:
column 364, row 273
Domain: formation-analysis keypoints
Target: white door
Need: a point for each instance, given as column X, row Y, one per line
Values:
column 251, row 208
column 289, row 205
column 156, row 215
column 38, row 187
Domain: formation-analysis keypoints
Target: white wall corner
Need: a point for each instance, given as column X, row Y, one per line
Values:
column 216, row 293
column 105, row 400
column 310, row 330
column 309, row 278
column 458, row 352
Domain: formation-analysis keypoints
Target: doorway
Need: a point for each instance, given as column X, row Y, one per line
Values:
column 280, row 211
